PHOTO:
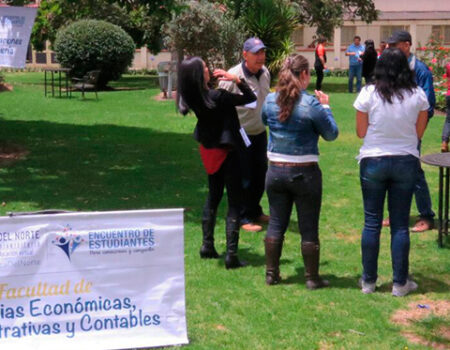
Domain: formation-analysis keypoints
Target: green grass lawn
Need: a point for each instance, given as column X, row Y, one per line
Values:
column 129, row 151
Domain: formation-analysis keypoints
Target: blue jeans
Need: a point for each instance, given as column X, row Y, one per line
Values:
column 302, row 186
column 422, row 193
column 396, row 175
column 355, row 71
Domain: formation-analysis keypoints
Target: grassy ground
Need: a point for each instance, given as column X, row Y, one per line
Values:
column 128, row 151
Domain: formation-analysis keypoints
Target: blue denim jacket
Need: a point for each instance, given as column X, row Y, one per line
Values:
column 424, row 78
column 299, row 134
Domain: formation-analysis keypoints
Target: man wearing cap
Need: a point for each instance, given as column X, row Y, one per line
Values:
column 254, row 157
column 402, row 40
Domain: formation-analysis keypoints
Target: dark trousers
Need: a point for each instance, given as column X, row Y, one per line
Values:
column 228, row 176
column 446, row 128
column 396, row 176
column 302, row 186
column 319, row 73
column 422, row 193
column 254, row 168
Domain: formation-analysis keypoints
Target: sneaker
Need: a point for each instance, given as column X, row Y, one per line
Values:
column 366, row 287
column 401, row 291
column 250, row 227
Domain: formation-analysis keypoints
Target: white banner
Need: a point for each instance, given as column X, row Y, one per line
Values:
column 15, row 30
column 101, row 280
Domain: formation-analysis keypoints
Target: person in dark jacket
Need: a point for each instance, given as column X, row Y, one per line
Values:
column 369, row 58
column 221, row 138
column 296, row 120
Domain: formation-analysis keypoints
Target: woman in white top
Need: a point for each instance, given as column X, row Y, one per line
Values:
column 391, row 117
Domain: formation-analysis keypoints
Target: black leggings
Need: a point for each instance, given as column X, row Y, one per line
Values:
column 319, row 73
column 228, row 176
column 301, row 186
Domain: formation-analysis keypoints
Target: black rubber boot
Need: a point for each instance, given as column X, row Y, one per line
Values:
column 273, row 254
column 311, row 258
column 231, row 259
column 207, row 251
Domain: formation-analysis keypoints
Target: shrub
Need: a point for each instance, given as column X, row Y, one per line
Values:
column 206, row 30
column 90, row 45
column 273, row 21
column 435, row 56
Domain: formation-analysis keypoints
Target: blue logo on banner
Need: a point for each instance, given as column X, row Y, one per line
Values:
column 68, row 242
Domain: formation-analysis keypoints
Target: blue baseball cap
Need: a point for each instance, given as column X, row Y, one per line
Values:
column 253, row 45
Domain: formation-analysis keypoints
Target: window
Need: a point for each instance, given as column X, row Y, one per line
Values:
column 347, row 35
column 386, row 31
column 441, row 33
column 41, row 57
column 297, row 37
column 29, row 56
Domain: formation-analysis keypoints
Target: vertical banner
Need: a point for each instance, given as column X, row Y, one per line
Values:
column 101, row 280
column 15, row 30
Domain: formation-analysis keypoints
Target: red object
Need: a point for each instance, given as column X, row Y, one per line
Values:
column 320, row 50
column 212, row 158
column 447, row 72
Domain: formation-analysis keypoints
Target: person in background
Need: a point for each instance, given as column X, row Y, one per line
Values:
column 354, row 52
column 446, row 129
column 296, row 120
column 382, row 47
column 369, row 58
column 253, row 158
column 217, row 131
column 391, row 117
column 402, row 40
column 320, row 61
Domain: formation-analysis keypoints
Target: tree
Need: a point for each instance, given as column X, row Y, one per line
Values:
column 323, row 14
column 141, row 19
column 204, row 29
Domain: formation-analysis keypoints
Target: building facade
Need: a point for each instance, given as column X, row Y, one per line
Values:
column 422, row 18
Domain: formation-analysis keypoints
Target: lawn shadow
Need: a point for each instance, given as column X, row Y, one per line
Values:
column 335, row 281
column 101, row 167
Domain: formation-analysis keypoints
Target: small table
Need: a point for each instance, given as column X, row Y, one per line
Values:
column 51, row 81
column 442, row 160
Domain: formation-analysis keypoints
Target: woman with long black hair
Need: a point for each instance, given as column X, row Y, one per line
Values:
column 220, row 138
column 391, row 117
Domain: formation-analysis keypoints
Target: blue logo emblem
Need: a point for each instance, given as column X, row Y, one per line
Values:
column 68, row 242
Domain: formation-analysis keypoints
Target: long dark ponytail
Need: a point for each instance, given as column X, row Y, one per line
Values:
column 289, row 86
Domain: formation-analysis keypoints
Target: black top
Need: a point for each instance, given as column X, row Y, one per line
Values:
column 219, row 127
column 369, row 59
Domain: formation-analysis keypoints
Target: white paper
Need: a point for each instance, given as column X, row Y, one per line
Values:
column 251, row 105
column 245, row 137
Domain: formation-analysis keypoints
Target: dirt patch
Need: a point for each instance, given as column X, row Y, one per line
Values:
column 5, row 87
column 10, row 153
column 348, row 237
column 161, row 97
column 422, row 309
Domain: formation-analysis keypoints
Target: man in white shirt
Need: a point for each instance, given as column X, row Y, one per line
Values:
column 254, row 157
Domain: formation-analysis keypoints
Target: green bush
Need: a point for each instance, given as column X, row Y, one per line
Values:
column 90, row 45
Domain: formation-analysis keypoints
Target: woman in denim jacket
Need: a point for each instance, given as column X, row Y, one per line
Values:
column 295, row 120
column 391, row 117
